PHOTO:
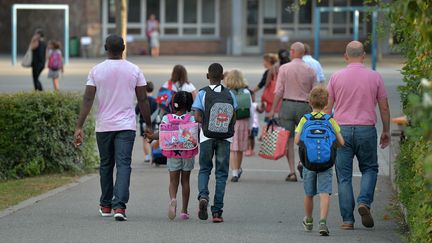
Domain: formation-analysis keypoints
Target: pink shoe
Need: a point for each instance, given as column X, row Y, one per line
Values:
column 184, row 216
column 172, row 209
column 248, row 153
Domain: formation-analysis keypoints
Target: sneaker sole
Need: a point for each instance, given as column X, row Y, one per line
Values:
column 202, row 213
column 217, row 220
column 366, row 217
column 102, row 214
column 119, row 217
column 324, row 233
column 306, row 227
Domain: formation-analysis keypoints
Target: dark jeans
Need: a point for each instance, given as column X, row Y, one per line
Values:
column 36, row 71
column 360, row 141
column 209, row 148
column 115, row 148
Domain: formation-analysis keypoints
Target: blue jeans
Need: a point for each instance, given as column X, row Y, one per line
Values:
column 360, row 141
column 115, row 148
column 209, row 148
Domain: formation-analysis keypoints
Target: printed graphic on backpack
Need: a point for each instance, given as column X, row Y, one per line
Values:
column 179, row 137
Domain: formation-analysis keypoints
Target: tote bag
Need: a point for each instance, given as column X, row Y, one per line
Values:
column 274, row 142
column 27, row 60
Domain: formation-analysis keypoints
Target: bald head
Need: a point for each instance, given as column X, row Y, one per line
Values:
column 354, row 49
column 297, row 50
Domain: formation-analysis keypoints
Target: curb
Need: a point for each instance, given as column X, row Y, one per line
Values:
column 45, row 195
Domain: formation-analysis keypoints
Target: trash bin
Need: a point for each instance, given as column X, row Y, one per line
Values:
column 74, row 47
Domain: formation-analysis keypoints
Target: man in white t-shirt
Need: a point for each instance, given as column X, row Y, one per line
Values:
column 115, row 82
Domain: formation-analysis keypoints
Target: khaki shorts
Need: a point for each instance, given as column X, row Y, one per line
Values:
column 291, row 113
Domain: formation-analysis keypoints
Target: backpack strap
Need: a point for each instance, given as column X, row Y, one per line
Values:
column 327, row 117
column 170, row 84
column 308, row 116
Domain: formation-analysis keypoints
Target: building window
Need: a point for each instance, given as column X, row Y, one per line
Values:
column 178, row 18
column 297, row 20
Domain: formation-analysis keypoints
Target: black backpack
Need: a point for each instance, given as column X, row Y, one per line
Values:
column 218, row 113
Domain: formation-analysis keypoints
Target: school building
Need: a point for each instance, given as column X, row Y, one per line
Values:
column 233, row 27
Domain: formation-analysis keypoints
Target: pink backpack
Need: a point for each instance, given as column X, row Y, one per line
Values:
column 179, row 137
column 55, row 60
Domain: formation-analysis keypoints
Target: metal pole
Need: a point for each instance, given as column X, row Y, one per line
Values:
column 374, row 40
column 317, row 27
column 14, row 34
column 66, row 34
column 356, row 25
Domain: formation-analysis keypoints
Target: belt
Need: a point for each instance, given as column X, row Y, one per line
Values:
column 296, row 101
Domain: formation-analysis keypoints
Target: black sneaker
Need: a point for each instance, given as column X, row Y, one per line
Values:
column 202, row 213
column 120, row 214
column 217, row 217
column 234, row 179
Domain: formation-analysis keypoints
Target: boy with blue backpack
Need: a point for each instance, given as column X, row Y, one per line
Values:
column 318, row 136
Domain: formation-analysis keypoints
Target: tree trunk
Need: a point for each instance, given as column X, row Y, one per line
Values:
column 121, row 21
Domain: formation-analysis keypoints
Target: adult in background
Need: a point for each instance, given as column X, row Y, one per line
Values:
column 115, row 82
column 151, row 26
column 294, row 82
column 179, row 81
column 354, row 92
column 38, row 47
column 314, row 64
column 269, row 59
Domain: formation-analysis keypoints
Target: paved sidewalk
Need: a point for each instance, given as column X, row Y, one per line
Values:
column 262, row 207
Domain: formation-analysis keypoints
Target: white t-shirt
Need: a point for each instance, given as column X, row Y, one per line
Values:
column 254, row 115
column 188, row 87
column 115, row 82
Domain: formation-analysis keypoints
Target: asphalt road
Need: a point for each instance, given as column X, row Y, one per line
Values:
column 262, row 207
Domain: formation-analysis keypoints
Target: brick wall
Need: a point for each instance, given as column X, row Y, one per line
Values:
column 173, row 47
column 84, row 15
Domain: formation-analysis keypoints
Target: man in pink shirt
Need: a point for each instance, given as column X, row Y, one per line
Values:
column 115, row 82
column 354, row 93
column 294, row 82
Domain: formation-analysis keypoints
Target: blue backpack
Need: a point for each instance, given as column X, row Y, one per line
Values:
column 317, row 147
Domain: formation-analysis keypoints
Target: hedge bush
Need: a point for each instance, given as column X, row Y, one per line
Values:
column 411, row 25
column 36, row 135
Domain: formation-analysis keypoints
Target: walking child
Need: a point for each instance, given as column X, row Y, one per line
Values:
column 153, row 108
column 255, row 109
column 317, row 135
column 180, row 160
column 55, row 62
column 214, row 108
column 242, row 128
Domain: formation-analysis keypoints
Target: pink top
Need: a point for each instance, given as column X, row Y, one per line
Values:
column 115, row 82
column 355, row 91
column 295, row 80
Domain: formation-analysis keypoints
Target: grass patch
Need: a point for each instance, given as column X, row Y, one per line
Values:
column 14, row 191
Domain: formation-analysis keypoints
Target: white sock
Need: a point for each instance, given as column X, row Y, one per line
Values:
column 147, row 157
column 235, row 172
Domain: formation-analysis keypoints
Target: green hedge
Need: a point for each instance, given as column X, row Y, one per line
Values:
column 411, row 25
column 36, row 135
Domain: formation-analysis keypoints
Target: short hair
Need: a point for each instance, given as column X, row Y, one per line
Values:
column 114, row 44
column 298, row 48
column 318, row 97
column 271, row 58
column 179, row 74
column 307, row 49
column 354, row 49
column 182, row 100
column 40, row 32
column 235, row 80
column 215, row 71
column 283, row 55
column 149, row 87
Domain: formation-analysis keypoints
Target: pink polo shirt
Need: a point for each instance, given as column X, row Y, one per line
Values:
column 295, row 80
column 115, row 82
column 355, row 91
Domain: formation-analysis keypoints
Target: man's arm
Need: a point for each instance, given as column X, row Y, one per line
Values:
column 143, row 105
column 86, row 106
column 385, row 118
column 329, row 107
